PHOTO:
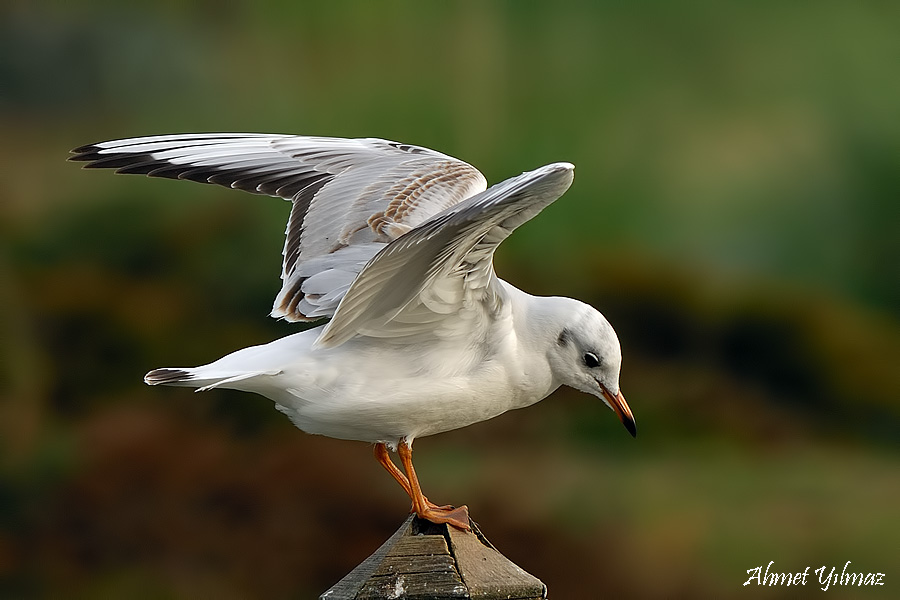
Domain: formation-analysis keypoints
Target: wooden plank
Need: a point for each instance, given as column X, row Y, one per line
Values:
column 349, row 587
column 419, row 586
column 434, row 563
column 488, row 574
column 418, row 545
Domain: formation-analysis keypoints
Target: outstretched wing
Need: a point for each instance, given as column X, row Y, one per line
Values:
column 438, row 279
column 350, row 197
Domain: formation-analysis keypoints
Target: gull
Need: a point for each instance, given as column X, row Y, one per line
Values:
column 394, row 243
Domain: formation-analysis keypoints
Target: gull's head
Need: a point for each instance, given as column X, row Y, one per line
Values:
column 586, row 356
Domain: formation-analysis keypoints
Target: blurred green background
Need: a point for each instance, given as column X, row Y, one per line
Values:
column 734, row 214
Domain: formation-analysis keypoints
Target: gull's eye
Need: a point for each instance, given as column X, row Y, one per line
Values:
column 591, row 360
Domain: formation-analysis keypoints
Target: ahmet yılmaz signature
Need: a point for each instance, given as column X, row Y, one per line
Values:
column 826, row 578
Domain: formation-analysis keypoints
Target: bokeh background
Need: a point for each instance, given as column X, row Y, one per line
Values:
column 734, row 215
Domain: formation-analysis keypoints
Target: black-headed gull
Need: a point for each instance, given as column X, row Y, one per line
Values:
column 395, row 243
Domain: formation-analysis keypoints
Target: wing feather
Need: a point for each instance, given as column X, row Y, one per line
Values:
column 357, row 194
column 444, row 265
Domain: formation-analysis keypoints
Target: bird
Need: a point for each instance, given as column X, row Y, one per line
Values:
column 394, row 244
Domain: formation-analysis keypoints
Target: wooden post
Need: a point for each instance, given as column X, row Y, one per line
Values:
column 423, row 560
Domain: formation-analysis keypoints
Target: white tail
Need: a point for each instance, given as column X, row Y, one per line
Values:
column 199, row 378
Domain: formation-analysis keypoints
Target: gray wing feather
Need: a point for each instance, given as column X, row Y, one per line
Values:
column 444, row 264
column 350, row 197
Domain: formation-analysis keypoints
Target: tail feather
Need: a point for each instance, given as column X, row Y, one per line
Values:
column 244, row 369
column 168, row 377
column 203, row 378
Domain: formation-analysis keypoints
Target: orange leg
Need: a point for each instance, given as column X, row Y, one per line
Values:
column 384, row 458
column 382, row 455
column 458, row 517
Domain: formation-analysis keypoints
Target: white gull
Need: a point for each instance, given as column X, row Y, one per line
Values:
column 395, row 244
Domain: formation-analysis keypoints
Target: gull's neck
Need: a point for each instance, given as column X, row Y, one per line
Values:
column 538, row 320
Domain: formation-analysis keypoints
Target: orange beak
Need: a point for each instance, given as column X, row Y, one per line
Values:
column 619, row 405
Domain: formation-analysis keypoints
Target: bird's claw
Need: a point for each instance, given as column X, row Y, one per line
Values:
column 457, row 517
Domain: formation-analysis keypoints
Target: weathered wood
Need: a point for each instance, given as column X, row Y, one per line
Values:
column 420, row 544
column 427, row 561
column 487, row 573
column 348, row 588
column 416, row 564
column 436, row 586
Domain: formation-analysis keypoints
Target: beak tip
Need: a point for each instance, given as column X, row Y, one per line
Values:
column 620, row 407
column 629, row 425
